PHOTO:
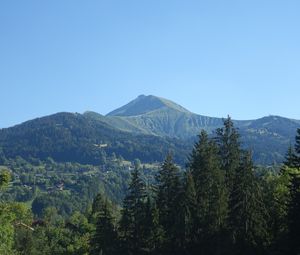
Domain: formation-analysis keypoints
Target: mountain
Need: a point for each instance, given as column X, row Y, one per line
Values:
column 146, row 128
column 145, row 104
column 77, row 138
column 158, row 116
column 268, row 137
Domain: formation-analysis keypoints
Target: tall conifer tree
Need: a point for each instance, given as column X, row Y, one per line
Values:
column 228, row 140
column 294, row 214
column 247, row 212
column 297, row 149
column 170, row 205
column 290, row 158
column 133, row 217
column 212, row 198
column 153, row 231
column 191, row 212
column 104, row 240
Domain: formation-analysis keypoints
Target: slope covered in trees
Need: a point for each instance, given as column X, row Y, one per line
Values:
column 72, row 137
column 221, row 204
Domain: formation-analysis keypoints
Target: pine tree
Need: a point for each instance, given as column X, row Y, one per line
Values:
column 212, row 198
column 170, row 205
column 293, row 215
column 98, row 203
column 290, row 158
column 104, row 240
column 191, row 212
column 297, row 145
column 133, row 217
column 275, row 188
column 247, row 216
column 297, row 149
column 153, row 231
column 228, row 142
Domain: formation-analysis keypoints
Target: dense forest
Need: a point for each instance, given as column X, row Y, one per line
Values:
column 220, row 203
column 73, row 137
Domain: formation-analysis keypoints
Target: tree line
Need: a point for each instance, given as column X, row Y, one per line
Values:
column 220, row 205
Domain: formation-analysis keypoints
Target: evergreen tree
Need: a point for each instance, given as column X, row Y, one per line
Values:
column 247, row 216
column 104, row 241
column 276, row 196
column 153, row 231
column 297, row 149
column 293, row 214
column 170, row 205
column 290, row 158
column 228, row 142
column 191, row 213
column 297, row 145
column 98, row 203
column 212, row 198
column 131, row 224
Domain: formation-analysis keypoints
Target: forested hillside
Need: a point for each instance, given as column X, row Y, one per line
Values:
column 74, row 137
column 220, row 203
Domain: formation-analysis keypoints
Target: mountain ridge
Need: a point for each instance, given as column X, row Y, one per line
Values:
column 268, row 136
column 147, row 127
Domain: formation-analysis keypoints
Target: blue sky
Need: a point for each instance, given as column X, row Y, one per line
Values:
column 213, row 57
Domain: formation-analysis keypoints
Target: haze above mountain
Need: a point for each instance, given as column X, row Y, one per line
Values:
column 146, row 127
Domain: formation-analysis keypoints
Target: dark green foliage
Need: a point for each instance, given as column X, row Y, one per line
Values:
column 191, row 212
column 228, row 142
column 297, row 150
column 170, row 204
column 64, row 203
column 98, row 204
column 293, row 215
column 211, row 194
column 133, row 217
column 153, row 232
column 248, row 215
column 290, row 158
column 68, row 137
column 104, row 240
column 276, row 196
column 297, row 146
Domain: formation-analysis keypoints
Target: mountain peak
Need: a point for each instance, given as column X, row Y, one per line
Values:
column 144, row 104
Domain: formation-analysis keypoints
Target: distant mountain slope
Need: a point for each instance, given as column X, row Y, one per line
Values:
column 77, row 138
column 117, row 122
column 268, row 137
column 146, row 128
column 159, row 116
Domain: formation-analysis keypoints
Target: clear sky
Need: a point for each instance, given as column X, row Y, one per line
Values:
column 214, row 57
